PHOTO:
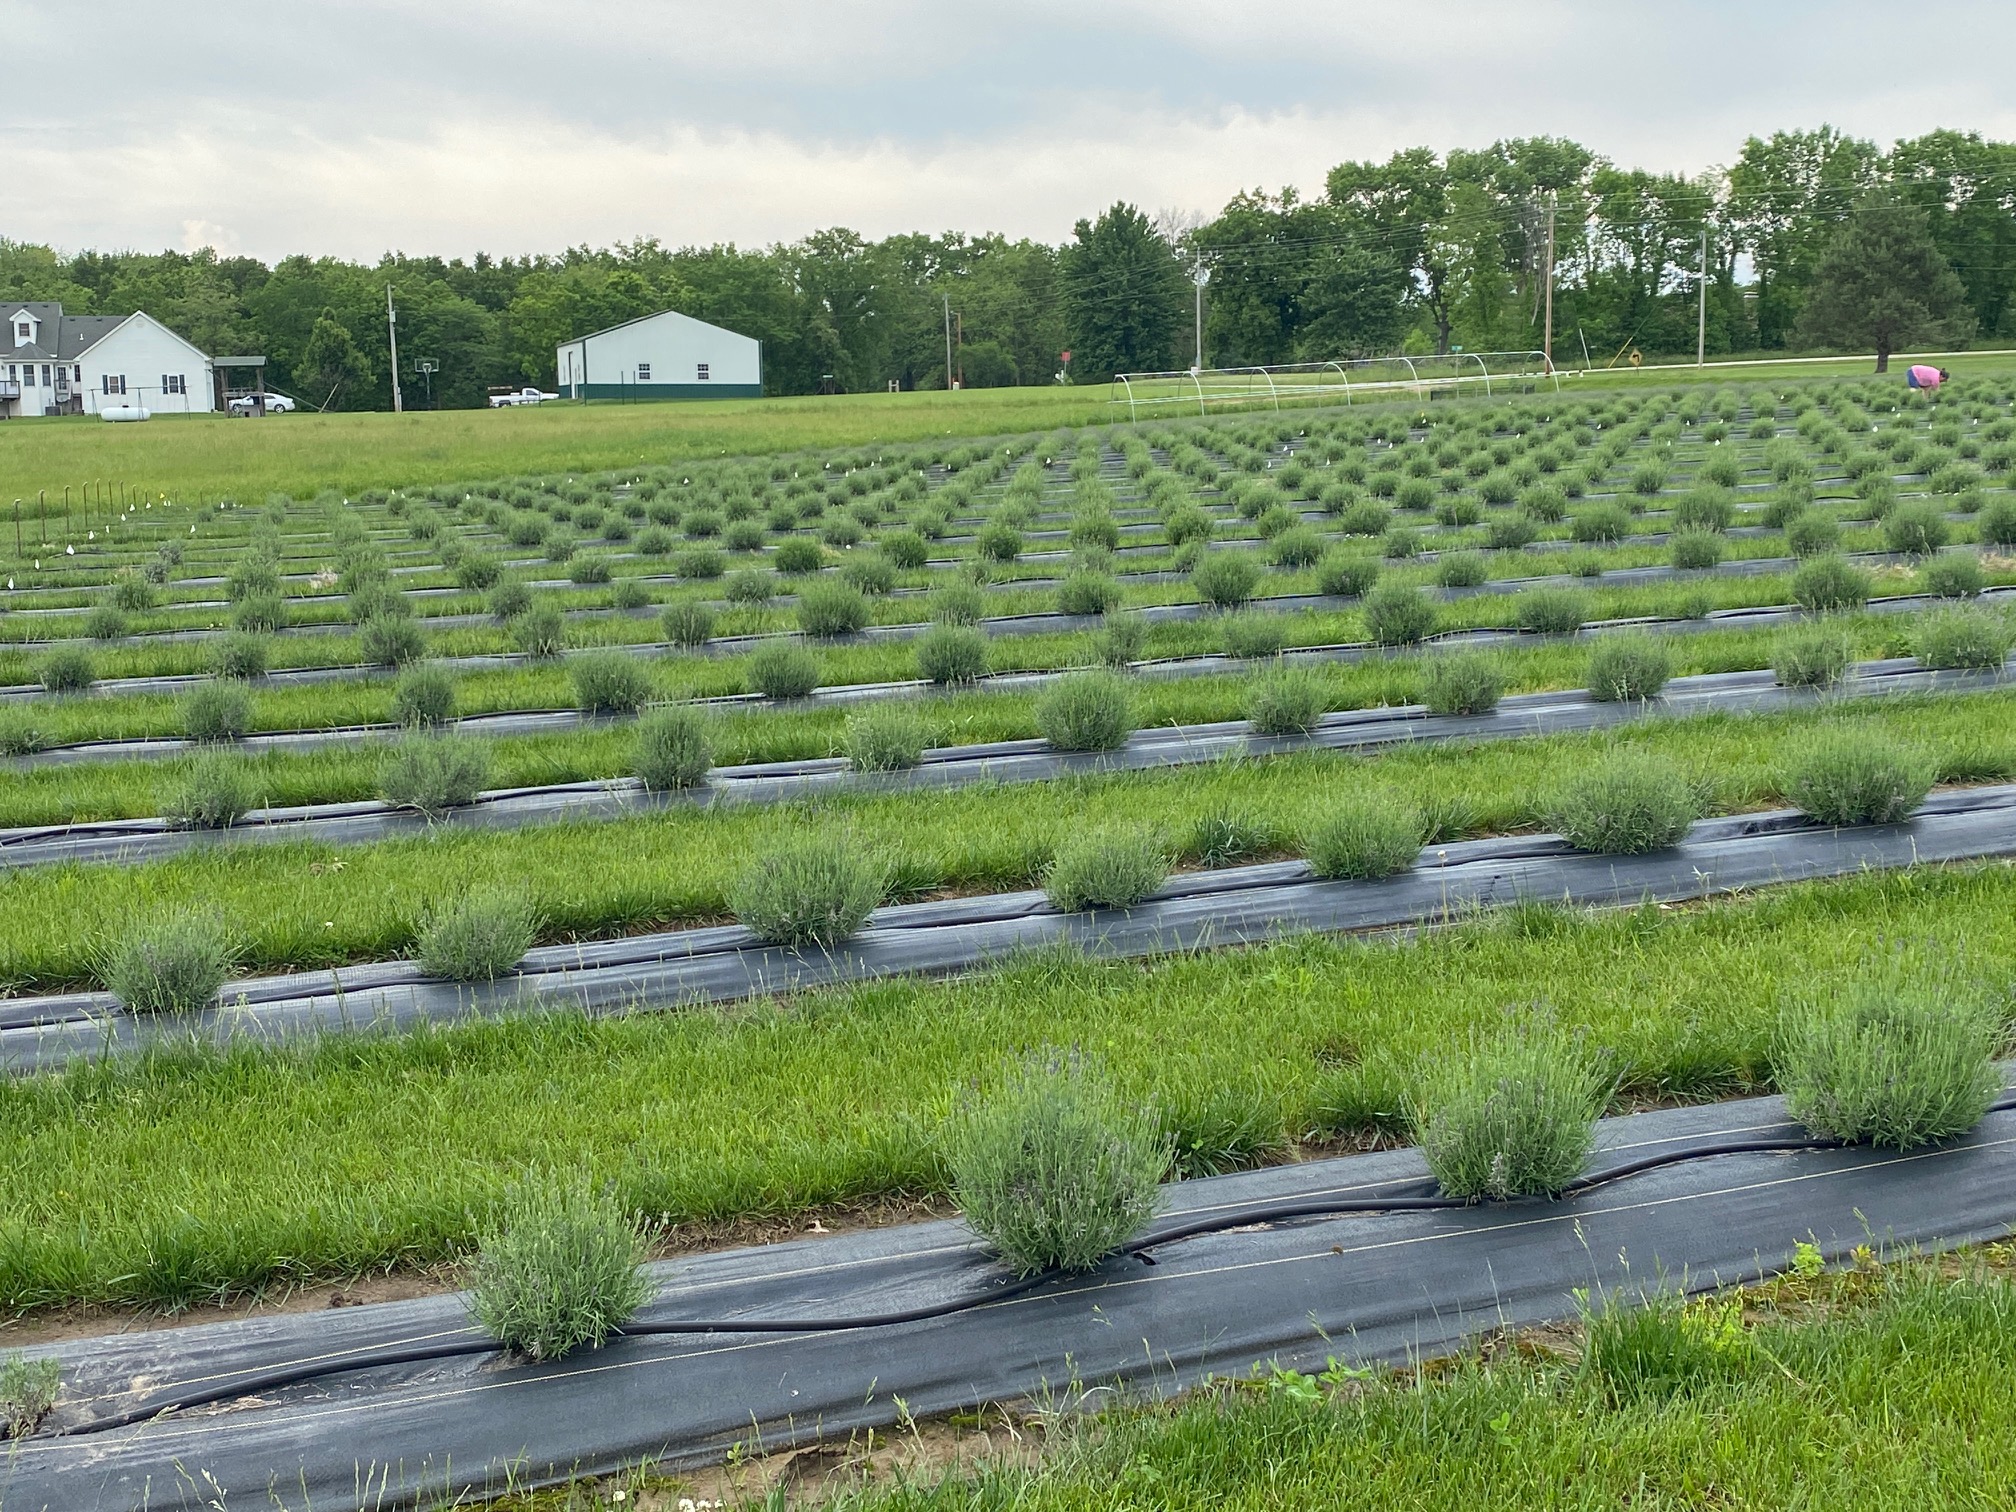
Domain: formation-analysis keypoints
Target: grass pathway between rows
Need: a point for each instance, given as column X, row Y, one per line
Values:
column 198, row 1174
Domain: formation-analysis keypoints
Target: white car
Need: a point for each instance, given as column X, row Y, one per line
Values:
column 248, row 404
column 512, row 397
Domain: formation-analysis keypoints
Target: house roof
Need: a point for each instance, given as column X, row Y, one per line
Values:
column 656, row 315
column 64, row 337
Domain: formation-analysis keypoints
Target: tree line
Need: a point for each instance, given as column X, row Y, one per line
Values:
column 1810, row 239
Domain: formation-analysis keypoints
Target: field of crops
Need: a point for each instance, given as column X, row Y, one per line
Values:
column 703, row 833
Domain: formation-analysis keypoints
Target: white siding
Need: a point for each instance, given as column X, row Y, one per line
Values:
column 144, row 353
column 678, row 352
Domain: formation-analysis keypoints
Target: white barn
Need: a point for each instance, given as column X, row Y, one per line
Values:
column 57, row 364
column 662, row 356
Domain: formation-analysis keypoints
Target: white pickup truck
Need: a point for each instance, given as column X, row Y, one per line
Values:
column 506, row 398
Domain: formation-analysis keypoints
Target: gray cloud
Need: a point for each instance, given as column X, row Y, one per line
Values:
column 512, row 126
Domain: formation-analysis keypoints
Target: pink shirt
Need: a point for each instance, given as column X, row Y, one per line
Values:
column 1924, row 377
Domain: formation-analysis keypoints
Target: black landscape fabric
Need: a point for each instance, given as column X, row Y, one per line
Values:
column 1366, row 1288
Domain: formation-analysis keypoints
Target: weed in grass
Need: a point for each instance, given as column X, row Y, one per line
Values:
column 423, row 695
column 809, row 889
column 172, row 964
column 1964, row 638
column 391, row 641
column 1513, row 1116
column 1628, row 668
column 779, row 669
column 1226, row 579
column 1552, row 611
column 1120, row 641
column 671, row 749
column 1086, row 711
column 1248, row 635
column 540, row 631
column 1106, row 868
column 28, row 1390
column 216, row 711
column 1397, row 614
column 1889, row 1062
column 214, row 794
column 687, row 625
column 22, row 732
column 432, row 774
column 1285, row 701
column 67, row 669
column 264, row 615
column 828, row 610
column 1826, row 584
column 949, row 654
column 106, row 623
column 1225, row 838
column 1627, row 805
column 958, row 604
column 1698, row 550
column 886, row 737
column 799, row 555
column 559, row 1269
column 1057, row 1168
column 1660, row 1347
column 479, row 937
column 1840, row 778
column 629, row 594
column 1461, row 569
column 1365, row 837
column 609, row 682
column 1463, row 683
column 1956, row 575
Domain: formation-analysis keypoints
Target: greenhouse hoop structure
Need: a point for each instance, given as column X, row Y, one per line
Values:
column 1348, row 379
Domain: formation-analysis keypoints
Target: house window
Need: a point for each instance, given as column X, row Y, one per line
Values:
column 115, row 383
column 47, row 378
column 643, row 372
column 77, row 373
column 700, row 372
column 23, row 331
column 173, row 383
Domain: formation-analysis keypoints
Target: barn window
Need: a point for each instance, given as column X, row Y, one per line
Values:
column 700, row 372
column 643, row 372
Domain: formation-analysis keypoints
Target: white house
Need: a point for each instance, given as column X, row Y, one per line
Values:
column 57, row 364
column 662, row 356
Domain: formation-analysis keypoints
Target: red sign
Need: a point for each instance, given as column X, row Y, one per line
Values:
column 1063, row 356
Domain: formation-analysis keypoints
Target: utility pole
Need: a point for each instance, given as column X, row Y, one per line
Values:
column 1701, row 330
column 1200, row 275
column 959, row 342
column 392, row 336
column 1547, row 342
column 948, row 341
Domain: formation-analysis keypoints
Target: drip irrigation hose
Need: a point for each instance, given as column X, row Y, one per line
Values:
column 281, row 1376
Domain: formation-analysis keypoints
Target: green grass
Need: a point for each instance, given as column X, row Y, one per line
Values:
column 201, row 1171
column 1890, row 1390
column 308, row 905
column 204, row 457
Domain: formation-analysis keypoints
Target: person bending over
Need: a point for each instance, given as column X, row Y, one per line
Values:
column 1924, row 376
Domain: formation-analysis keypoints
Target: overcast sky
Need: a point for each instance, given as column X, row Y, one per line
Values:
column 448, row 126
